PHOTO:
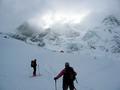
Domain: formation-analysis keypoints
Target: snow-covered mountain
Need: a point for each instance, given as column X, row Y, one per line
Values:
column 104, row 36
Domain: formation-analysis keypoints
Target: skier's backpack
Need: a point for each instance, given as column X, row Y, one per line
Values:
column 32, row 63
column 70, row 74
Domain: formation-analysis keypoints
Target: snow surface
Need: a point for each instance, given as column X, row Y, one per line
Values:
column 96, row 71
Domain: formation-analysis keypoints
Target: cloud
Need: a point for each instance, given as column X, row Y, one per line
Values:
column 15, row 12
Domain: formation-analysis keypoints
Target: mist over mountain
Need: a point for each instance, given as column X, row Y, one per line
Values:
column 71, row 37
column 71, row 26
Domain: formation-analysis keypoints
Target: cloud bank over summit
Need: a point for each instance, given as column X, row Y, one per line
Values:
column 65, row 24
column 14, row 13
column 71, row 37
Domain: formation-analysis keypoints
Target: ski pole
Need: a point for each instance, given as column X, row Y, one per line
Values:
column 38, row 70
column 55, row 85
column 76, row 80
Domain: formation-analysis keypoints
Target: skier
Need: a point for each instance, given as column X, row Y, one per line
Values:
column 33, row 65
column 68, row 74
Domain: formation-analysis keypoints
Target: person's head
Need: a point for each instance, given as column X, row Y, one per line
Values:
column 67, row 65
column 35, row 60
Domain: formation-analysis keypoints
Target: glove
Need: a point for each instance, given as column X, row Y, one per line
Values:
column 55, row 78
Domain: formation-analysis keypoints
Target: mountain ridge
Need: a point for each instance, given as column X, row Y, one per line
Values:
column 104, row 36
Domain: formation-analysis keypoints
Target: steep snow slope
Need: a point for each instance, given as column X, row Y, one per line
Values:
column 96, row 71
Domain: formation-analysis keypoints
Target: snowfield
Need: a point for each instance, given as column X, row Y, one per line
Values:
column 95, row 71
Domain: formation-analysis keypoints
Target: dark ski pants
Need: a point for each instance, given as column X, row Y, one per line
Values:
column 34, row 71
column 69, row 84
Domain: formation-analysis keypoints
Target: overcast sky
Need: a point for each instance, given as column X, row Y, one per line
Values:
column 15, row 12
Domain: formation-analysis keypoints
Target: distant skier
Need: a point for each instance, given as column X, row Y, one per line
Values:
column 34, row 65
column 69, row 75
